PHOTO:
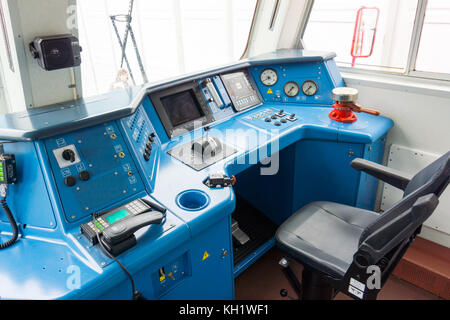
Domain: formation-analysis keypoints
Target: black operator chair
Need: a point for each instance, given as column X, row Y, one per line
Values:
column 342, row 247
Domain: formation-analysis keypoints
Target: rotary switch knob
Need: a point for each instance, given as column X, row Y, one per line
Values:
column 70, row 181
column 68, row 155
column 84, row 176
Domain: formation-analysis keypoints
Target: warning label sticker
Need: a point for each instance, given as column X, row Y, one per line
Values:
column 205, row 256
column 270, row 91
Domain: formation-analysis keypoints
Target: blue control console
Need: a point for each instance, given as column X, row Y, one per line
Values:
column 224, row 156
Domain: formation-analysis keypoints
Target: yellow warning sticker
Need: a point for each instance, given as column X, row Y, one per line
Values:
column 270, row 91
column 205, row 256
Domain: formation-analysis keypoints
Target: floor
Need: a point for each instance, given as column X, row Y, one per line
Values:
column 264, row 280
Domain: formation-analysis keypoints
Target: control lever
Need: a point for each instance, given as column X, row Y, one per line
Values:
column 209, row 146
column 125, row 228
column 346, row 104
column 356, row 107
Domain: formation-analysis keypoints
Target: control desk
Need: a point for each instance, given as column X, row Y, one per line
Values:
column 183, row 181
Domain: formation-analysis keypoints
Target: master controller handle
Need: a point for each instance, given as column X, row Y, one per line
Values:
column 210, row 146
column 346, row 104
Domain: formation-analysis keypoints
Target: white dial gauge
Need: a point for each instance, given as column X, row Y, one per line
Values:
column 291, row 89
column 310, row 88
column 269, row 77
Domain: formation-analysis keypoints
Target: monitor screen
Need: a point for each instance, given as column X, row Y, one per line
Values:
column 182, row 107
column 116, row 216
column 241, row 90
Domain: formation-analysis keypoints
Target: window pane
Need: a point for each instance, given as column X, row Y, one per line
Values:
column 434, row 45
column 173, row 37
column 332, row 27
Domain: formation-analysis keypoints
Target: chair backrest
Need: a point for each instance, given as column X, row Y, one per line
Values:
column 431, row 180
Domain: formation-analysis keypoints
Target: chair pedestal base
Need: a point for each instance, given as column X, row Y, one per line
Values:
column 314, row 287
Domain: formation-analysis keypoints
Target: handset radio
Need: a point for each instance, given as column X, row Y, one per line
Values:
column 115, row 228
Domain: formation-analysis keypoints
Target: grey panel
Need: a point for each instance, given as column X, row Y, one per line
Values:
column 185, row 154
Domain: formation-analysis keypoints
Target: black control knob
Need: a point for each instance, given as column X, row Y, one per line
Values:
column 292, row 116
column 68, row 155
column 283, row 120
column 84, row 175
column 277, row 124
column 268, row 120
column 274, row 117
column 70, row 181
column 283, row 293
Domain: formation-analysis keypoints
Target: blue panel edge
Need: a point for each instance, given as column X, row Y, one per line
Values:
column 253, row 257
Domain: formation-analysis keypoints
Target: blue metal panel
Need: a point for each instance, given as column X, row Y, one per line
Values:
column 270, row 194
column 323, row 172
column 29, row 199
column 334, row 73
column 112, row 177
column 137, row 129
column 212, row 278
column 368, row 185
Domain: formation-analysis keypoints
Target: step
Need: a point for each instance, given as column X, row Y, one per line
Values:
column 427, row 266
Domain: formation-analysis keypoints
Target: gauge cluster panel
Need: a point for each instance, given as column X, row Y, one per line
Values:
column 294, row 83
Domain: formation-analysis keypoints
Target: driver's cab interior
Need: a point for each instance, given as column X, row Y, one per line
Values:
column 224, row 150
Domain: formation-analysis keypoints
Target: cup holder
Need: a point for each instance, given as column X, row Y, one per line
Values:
column 192, row 200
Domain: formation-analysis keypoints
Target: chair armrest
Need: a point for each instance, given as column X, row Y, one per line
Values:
column 394, row 177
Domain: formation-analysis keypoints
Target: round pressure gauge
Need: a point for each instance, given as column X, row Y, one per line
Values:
column 291, row 89
column 310, row 88
column 269, row 77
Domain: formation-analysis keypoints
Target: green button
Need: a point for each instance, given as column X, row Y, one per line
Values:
column 99, row 226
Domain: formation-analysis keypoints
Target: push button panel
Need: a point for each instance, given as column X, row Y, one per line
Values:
column 271, row 118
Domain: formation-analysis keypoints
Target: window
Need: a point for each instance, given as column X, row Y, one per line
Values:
column 173, row 37
column 385, row 24
column 434, row 45
column 403, row 36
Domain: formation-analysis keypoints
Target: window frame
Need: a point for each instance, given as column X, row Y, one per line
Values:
column 409, row 71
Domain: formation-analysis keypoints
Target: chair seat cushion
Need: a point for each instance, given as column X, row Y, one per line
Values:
column 324, row 235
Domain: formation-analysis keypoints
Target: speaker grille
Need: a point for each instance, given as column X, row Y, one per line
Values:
column 57, row 53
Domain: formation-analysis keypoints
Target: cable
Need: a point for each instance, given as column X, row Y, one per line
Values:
column 136, row 295
column 13, row 223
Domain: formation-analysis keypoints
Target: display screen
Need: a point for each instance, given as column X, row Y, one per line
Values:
column 182, row 107
column 241, row 90
column 116, row 216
